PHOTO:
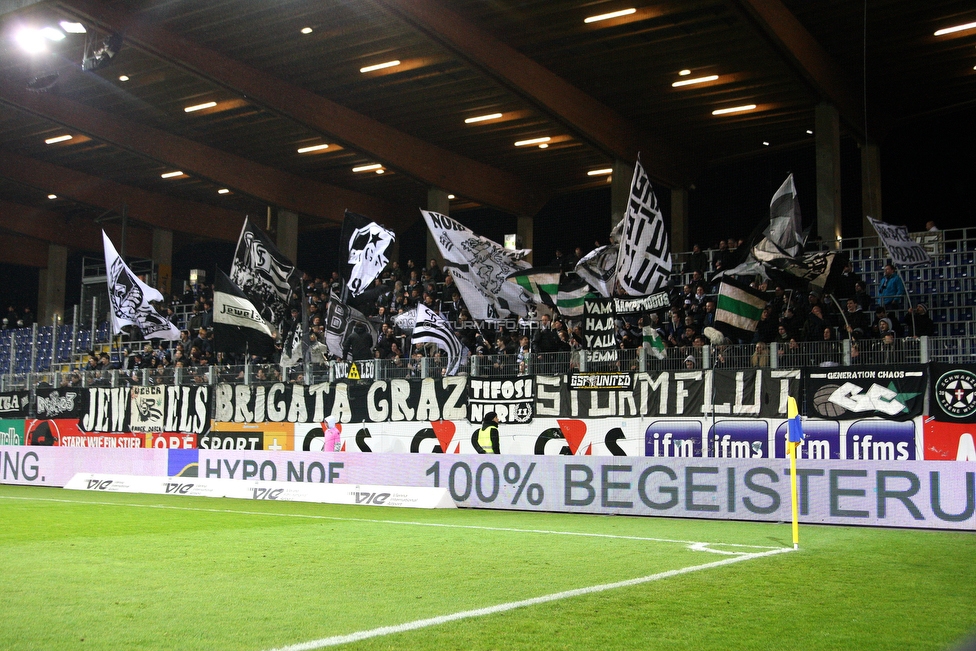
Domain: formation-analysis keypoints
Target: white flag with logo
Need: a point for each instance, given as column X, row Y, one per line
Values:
column 432, row 328
column 130, row 298
column 644, row 258
column 480, row 267
column 367, row 242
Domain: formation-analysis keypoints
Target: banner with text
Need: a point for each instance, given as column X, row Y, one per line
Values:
column 868, row 391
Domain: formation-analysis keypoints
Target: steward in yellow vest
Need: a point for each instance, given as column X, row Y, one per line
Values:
column 486, row 439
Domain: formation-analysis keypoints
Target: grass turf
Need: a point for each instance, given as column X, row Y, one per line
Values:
column 108, row 571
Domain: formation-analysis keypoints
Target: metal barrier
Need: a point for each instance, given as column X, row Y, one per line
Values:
column 795, row 355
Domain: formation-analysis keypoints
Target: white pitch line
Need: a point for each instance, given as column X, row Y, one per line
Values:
column 337, row 640
column 697, row 545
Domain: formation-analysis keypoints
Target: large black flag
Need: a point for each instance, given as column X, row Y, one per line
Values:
column 238, row 325
column 264, row 274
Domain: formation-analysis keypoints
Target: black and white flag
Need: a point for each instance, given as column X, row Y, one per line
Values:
column 340, row 320
column 264, row 274
column 130, row 299
column 904, row 251
column 367, row 242
column 432, row 328
column 644, row 259
column 238, row 325
column 599, row 269
column 480, row 267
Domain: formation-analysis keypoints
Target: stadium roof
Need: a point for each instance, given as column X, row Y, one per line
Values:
column 272, row 82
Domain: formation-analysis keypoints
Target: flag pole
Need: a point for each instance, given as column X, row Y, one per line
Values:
column 793, row 497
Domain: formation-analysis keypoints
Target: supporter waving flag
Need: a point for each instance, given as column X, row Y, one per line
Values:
column 432, row 328
column 130, row 299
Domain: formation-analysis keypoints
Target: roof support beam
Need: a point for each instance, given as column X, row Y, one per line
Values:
column 72, row 233
column 586, row 117
column 159, row 210
column 17, row 249
column 266, row 183
column 802, row 51
column 429, row 164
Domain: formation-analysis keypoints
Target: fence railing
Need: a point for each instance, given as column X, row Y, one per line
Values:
column 820, row 353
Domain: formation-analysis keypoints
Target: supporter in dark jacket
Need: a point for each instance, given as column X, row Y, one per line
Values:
column 359, row 344
column 918, row 323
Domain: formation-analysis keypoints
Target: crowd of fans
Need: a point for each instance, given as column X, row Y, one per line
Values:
column 789, row 319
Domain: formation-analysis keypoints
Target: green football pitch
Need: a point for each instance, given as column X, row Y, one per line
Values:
column 110, row 571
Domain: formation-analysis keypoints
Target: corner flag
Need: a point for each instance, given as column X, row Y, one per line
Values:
column 794, row 437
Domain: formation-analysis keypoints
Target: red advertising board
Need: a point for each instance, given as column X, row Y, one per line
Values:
column 65, row 433
column 949, row 441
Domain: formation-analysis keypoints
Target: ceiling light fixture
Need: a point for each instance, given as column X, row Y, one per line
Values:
column 734, row 109
column 684, row 73
column 381, row 171
column 31, row 41
column 223, row 191
column 52, row 196
column 380, row 66
column 544, row 146
column 482, row 118
column 305, row 150
column 200, row 107
column 696, row 80
column 52, row 34
column 957, row 28
column 72, row 28
column 367, row 168
column 809, row 132
column 532, row 141
column 51, row 141
column 450, row 196
column 171, row 175
column 765, row 144
column 600, row 172
column 307, row 30
column 123, row 77
column 612, row 14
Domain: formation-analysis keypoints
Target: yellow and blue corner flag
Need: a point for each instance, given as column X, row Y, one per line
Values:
column 794, row 427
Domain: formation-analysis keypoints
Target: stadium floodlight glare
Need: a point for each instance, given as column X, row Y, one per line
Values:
column 223, row 191
column 734, row 109
column 957, row 28
column 56, row 139
column 52, row 34
column 696, row 80
column 600, row 172
column 199, row 107
column 367, row 168
column 31, row 41
column 305, row 150
column 612, row 14
column 72, row 28
column 380, row 66
column 171, row 175
column 482, row 118
column 532, row 141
